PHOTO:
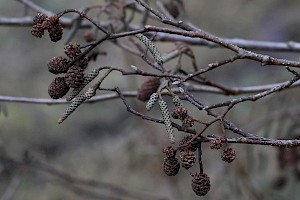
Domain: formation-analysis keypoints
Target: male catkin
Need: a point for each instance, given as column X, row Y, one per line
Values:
column 167, row 119
column 152, row 48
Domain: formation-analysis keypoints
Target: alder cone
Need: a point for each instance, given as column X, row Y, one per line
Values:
column 216, row 143
column 187, row 159
column 72, row 50
column 39, row 18
column 55, row 33
column 83, row 62
column 75, row 76
column 58, row 65
column 54, row 28
column 180, row 113
column 171, row 166
column 200, row 184
column 149, row 87
column 37, row 30
column 228, row 155
column 58, row 88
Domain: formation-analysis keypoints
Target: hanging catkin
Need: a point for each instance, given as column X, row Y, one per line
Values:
column 152, row 101
column 152, row 48
column 177, row 101
column 86, row 80
column 167, row 119
column 72, row 107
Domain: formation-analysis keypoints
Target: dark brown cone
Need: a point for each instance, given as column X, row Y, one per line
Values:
column 89, row 36
column 72, row 50
column 216, row 143
column 58, row 88
column 169, row 151
column 51, row 22
column 187, row 159
column 190, row 147
column 56, row 33
column 228, row 155
column 200, row 184
column 54, row 28
column 180, row 113
column 58, row 65
column 149, row 87
column 74, row 77
column 39, row 18
column 188, row 122
column 37, row 30
column 83, row 62
column 171, row 166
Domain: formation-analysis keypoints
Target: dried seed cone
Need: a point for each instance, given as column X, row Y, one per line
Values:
column 216, row 143
column 187, row 159
column 39, row 18
column 72, row 50
column 169, row 151
column 228, row 155
column 58, row 88
column 166, row 118
column 152, row 101
column 149, row 87
column 58, row 65
column 86, row 80
column 200, row 184
column 180, row 113
column 74, row 77
column 56, row 33
column 37, row 30
column 83, row 62
column 188, row 122
column 171, row 166
column 54, row 28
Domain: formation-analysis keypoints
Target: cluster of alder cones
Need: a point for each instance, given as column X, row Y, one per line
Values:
column 72, row 66
column 74, row 73
column 171, row 164
column 200, row 181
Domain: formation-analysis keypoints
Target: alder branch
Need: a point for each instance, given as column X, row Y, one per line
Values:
column 133, row 94
column 291, row 46
column 268, row 142
column 255, row 97
column 189, row 86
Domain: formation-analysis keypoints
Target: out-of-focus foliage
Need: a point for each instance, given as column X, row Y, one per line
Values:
column 103, row 141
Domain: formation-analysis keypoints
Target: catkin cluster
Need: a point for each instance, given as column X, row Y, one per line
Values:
column 74, row 74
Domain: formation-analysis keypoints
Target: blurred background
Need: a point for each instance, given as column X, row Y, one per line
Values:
column 103, row 142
